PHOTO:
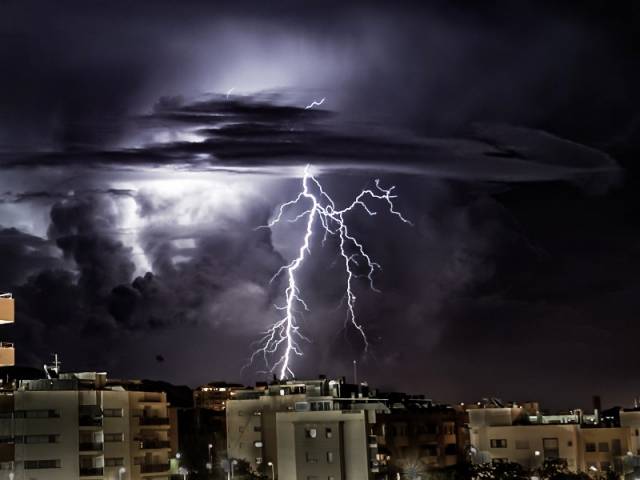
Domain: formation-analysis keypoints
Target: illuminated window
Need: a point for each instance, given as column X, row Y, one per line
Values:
column 329, row 457
column 328, row 433
column 311, row 433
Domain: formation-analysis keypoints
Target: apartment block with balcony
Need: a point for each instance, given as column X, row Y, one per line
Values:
column 587, row 443
column 78, row 426
column 305, row 430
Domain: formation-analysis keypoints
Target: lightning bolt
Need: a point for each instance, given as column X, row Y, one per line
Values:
column 319, row 211
column 315, row 104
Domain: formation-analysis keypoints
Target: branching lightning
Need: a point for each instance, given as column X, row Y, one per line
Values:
column 282, row 339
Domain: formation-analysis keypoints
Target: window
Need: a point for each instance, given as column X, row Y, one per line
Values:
column 258, row 460
column 257, row 429
column 522, row 444
column 31, row 439
column 311, row 433
column 329, row 457
column 498, row 443
column 551, row 448
column 451, row 449
column 603, row 446
column 114, row 437
column 328, row 433
column 637, row 433
column 37, row 414
column 311, row 457
column 36, row 464
column 112, row 412
column 114, row 462
column 589, row 447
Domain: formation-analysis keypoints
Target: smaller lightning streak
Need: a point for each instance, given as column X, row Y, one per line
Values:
column 282, row 339
column 229, row 92
column 314, row 104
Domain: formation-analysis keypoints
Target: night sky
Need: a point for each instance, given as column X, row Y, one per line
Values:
column 132, row 186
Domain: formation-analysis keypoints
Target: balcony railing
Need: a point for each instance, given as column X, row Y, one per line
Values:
column 153, row 421
column 154, row 467
column 91, row 447
column 152, row 444
column 91, row 472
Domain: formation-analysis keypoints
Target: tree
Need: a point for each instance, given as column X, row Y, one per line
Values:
column 500, row 471
column 556, row 469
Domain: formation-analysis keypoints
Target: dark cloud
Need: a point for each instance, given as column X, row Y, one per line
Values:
column 129, row 213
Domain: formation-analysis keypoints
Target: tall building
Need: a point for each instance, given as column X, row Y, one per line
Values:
column 588, row 443
column 309, row 430
column 7, row 315
column 79, row 426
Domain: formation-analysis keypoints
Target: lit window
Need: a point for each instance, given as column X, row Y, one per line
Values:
column 311, row 433
column 329, row 457
column 328, row 433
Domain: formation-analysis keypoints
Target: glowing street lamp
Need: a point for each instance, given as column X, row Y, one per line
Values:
column 273, row 471
column 121, row 472
column 234, row 462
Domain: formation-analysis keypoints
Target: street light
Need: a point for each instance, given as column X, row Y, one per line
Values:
column 210, row 456
column 273, row 471
column 183, row 471
column 121, row 472
column 234, row 462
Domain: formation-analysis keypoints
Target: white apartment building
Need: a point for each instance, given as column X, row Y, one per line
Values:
column 79, row 427
column 304, row 430
column 583, row 441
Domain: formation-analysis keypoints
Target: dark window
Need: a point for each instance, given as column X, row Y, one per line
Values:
column 589, row 447
column 498, row 443
column 36, row 464
column 328, row 433
column 451, row 449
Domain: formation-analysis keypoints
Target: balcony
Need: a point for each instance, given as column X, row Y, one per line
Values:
column 151, row 399
column 154, row 444
column 7, row 354
column 88, row 421
column 154, row 468
column 7, row 309
column 91, row 472
column 90, row 447
column 153, row 421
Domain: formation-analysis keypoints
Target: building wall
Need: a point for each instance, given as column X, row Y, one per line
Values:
column 305, row 458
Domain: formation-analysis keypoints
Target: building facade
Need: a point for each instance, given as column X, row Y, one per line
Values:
column 308, row 430
column 586, row 442
column 78, row 426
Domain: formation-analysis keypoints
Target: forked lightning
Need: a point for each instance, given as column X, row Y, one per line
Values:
column 282, row 339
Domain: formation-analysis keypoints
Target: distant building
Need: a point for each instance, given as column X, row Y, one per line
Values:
column 7, row 315
column 417, row 435
column 589, row 443
column 305, row 429
column 214, row 396
column 79, row 426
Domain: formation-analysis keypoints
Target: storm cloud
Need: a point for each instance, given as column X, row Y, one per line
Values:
column 142, row 145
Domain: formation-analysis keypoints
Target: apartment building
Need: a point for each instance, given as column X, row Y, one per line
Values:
column 214, row 395
column 79, row 426
column 7, row 315
column 586, row 442
column 417, row 434
column 310, row 430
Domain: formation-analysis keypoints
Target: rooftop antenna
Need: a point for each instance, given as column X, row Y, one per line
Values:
column 55, row 367
column 355, row 372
